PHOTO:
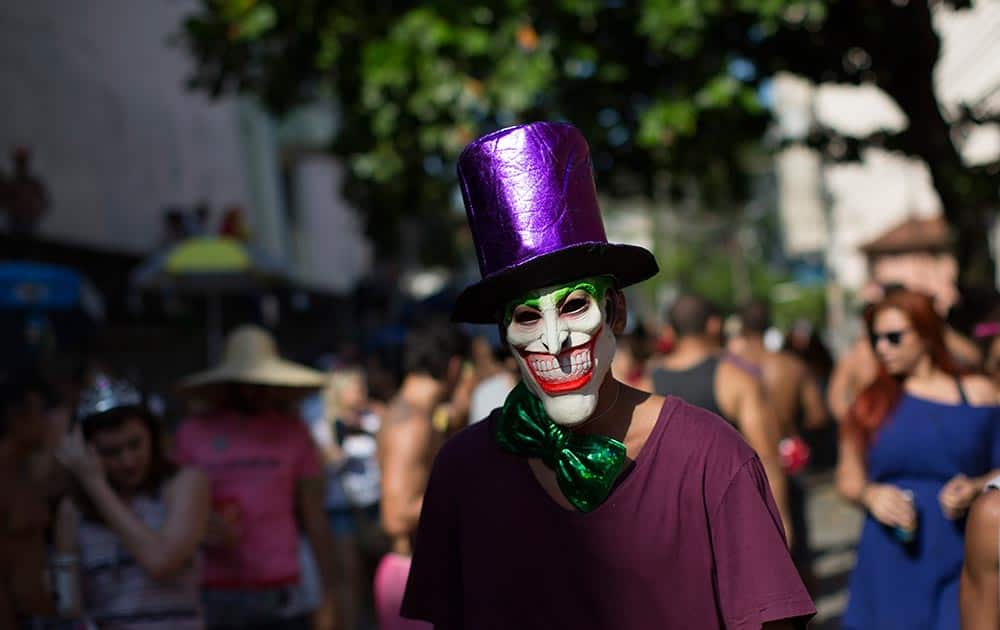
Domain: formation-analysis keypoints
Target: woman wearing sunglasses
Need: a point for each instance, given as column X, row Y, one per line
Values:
column 917, row 447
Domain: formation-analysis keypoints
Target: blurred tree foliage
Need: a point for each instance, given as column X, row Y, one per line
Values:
column 656, row 86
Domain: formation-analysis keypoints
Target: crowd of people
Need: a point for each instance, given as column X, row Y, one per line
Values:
column 571, row 471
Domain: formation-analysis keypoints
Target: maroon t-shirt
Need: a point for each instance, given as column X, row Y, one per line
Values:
column 689, row 538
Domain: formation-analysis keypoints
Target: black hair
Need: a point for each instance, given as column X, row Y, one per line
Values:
column 756, row 317
column 689, row 315
column 161, row 467
column 430, row 347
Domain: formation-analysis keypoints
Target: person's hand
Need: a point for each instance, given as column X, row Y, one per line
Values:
column 79, row 458
column 224, row 527
column 889, row 505
column 957, row 495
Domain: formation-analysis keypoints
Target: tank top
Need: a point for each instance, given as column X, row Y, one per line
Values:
column 117, row 592
column 696, row 385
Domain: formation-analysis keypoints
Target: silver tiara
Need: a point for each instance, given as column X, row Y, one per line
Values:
column 107, row 394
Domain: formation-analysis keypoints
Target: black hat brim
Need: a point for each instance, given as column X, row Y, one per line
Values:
column 480, row 303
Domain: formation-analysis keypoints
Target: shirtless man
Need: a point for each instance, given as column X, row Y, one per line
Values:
column 407, row 442
column 24, row 514
column 698, row 372
column 790, row 389
column 797, row 403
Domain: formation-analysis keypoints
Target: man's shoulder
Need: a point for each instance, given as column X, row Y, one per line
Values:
column 731, row 374
column 402, row 413
column 787, row 364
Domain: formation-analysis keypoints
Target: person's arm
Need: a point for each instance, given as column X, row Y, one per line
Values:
column 958, row 494
column 887, row 504
column 161, row 553
column 962, row 349
column 842, row 386
column 405, row 444
column 978, row 595
column 745, row 403
column 324, row 437
column 66, row 560
column 317, row 530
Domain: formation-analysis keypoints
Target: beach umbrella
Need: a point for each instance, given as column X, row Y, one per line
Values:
column 39, row 287
column 210, row 267
column 42, row 303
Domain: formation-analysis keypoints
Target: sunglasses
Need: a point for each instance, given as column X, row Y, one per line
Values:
column 894, row 337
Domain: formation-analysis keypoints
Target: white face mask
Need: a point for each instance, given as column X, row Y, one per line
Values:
column 563, row 344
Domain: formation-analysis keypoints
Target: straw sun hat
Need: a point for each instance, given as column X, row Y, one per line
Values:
column 251, row 357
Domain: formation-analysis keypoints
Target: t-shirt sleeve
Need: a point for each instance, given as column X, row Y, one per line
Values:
column 433, row 590
column 756, row 579
column 307, row 463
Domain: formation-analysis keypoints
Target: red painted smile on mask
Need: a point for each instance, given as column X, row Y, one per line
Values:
column 569, row 370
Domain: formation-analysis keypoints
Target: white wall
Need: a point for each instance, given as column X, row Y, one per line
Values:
column 93, row 89
column 331, row 250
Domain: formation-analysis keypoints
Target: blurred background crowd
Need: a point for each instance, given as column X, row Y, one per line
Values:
column 224, row 211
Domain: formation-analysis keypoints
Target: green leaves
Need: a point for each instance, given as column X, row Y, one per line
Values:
column 649, row 83
column 666, row 119
column 248, row 19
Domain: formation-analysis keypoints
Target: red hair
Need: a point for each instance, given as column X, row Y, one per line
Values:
column 873, row 405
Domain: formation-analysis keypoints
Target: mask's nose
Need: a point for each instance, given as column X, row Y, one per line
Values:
column 555, row 332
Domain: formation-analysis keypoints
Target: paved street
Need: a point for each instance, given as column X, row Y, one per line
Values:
column 835, row 527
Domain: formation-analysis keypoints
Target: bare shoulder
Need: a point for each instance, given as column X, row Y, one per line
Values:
column 734, row 375
column 979, row 390
column 735, row 381
column 404, row 424
column 792, row 364
column 401, row 413
column 189, row 481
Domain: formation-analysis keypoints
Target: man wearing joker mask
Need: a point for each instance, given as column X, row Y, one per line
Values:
column 583, row 502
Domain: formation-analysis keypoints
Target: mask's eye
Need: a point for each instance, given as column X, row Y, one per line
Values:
column 575, row 304
column 524, row 315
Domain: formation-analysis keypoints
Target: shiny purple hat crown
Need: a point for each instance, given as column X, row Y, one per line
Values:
column 532, row 206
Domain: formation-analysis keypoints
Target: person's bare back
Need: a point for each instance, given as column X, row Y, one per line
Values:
column 789, row 387
column 407, row 443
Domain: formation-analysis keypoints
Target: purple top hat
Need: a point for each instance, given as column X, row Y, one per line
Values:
column 532, row 206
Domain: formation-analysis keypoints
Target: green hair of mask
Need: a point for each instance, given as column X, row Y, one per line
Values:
column 596, row 286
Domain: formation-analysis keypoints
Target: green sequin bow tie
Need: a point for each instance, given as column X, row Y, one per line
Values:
column 586, row 466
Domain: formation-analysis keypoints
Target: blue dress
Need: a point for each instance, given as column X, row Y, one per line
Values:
column 922, row 445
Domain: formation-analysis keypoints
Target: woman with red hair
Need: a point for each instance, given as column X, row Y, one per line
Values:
column 917, row 447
